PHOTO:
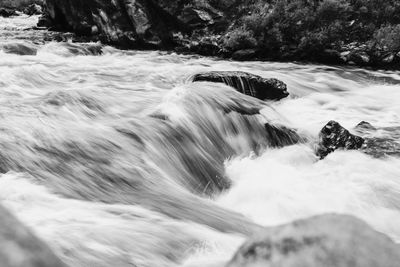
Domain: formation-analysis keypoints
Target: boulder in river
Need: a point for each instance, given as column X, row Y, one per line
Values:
column 360, row 58
column 20, row 248
column 364, row 125
column 327, row 240
column 247, row 83
column 333, row 136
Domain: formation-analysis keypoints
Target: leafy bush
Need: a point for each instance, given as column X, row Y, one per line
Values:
column 239, row 38
column 330, row 11
column 306, row 27
column 388, row 37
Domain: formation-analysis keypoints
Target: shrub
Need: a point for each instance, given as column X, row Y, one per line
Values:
column 330, row 11
column 311, row 26
column 388, row 37
column 239, row 38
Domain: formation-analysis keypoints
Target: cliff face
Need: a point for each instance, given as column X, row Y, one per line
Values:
column 130, row 23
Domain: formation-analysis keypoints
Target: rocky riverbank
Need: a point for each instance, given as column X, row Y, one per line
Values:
column 9, row 8
column 287, row 30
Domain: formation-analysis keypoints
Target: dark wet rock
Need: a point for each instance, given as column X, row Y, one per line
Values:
column 333, row 136
column 328, row 240
column 33, row 9
column 360, row 58
column 23, row 49
column 198, row 17
column 7, row 12
column 246, row 83
column 20, row 248
column 44, row 21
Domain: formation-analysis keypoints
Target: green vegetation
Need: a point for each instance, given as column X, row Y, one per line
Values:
column 388, row 37
column 304, row 29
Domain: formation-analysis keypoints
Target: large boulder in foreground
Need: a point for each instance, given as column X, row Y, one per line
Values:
column 333, row 136
column 20, row 248
column 247, row 83
column 328, row 241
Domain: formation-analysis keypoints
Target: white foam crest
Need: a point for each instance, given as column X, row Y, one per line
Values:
column 375, row 103
column 290, row 183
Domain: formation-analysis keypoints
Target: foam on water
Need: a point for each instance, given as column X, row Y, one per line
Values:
column 98, row 234
column 290, row 183
column 114, row 158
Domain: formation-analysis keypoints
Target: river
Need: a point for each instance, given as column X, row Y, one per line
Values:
column 115, row 158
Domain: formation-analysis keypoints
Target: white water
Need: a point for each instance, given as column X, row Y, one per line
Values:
column 96, row 173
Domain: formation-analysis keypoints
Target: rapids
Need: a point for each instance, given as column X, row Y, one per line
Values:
column 115, row 158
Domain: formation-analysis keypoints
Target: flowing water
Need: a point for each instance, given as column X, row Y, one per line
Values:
column 115, row 158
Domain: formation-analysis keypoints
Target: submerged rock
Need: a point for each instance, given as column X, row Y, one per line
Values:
column 364, row 125
column 20, row 248
column 333, row 136
column 379, row 141
column 246, row 83
column 360, row 58
column 328, row 240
